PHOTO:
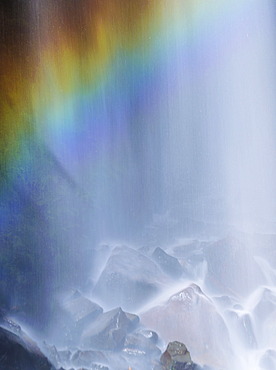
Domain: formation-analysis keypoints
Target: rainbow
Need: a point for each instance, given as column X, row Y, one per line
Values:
column 68, row 66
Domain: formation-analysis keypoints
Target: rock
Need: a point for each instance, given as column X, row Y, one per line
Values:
column 109, row 331
column 225, row 302
column 268, row 360
column 129, row 279
column 94, row 367
column 72, row 315
column 64, row 356
column 81, row 310
column 137, row 341
column 10, row 325
column 118, row 360
column 175, row 352
column 137, row 359
column 87, row 358
column 188, row 249
column 170, row 265
column 150, row 335
column 20, row 352
column 190, row 317
column 133, row 320
column 191, row 257
column 265, row 305
column 242, row 324
column 176, row 357
column 52, row 354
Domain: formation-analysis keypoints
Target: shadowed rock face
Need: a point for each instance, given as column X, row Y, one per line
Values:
column 71, row 317
column 129, row 279
column 20, row 353
column 138, row 342
column 109, row 331
column 169, row 264
column 190, row 317
column 81, row 310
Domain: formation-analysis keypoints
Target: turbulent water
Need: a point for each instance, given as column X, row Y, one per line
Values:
column 133, row 133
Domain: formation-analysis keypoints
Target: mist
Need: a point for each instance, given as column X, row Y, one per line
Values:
column 138, row 171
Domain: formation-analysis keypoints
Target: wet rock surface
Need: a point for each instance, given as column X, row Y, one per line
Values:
column 87, row 336
column 243, row 324
column 81, row 310
column 176, row 357
column 114, row 340
column 109, row 331
column 181, row 316
column 175, row 352
column 72, row 315
column 129, row 279
column 169, row 264
column 88, row 358
column 138, row 342
column 20, row 353
column 151, row 335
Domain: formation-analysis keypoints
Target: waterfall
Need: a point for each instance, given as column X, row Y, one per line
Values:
column 142, row 125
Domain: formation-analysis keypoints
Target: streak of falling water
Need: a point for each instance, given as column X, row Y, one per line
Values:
column 221, row 128
column 220, row 114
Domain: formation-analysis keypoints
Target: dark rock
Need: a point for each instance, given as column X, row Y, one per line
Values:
column 52, row 354
column 169, row 264
column 129, row 279
column 175, row 352
column 176, row 357
column 19, row 352
column 109, row 331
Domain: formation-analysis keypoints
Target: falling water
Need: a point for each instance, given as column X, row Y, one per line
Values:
column 127, row 126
